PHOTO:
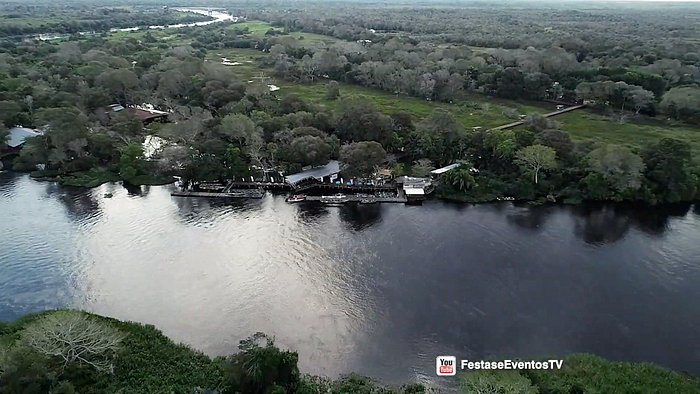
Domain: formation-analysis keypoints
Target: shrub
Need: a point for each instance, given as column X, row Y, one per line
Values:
column 495, row 382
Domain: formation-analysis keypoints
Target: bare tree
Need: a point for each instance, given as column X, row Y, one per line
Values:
column 73, row 337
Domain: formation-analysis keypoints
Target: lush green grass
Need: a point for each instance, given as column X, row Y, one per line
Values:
column 584, row 125
column 255, row 28
column 248, row 59
column 475, row 111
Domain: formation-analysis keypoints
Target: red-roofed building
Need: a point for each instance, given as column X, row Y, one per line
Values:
column 145, row 115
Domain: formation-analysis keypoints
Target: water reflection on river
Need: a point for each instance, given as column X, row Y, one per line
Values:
column 379, row 290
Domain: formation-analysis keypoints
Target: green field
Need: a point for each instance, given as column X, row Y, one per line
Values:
column 584, row 125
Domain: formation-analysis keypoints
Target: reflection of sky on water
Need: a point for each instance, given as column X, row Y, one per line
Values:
column 377, row 289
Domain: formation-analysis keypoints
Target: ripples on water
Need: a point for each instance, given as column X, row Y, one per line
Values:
column 380, row 290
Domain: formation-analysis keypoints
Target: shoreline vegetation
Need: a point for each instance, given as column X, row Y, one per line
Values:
column 38, row 355
column 288, row 89
column 96, row 177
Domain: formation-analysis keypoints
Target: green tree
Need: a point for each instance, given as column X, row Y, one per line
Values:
column 682, row 102
column 120, row 83
column 668, row 170
column 535, row 158
column 238, row 128
column 361, row 158
column 261, row 368
column 621, row 168
column 4, row 135
column 332, row 90
column 310, row 150
column 501, row 143
column 131, row 162
column 438, row 137
column 9, row 113
column 421, row 168
column 234, row 163
column 460, row 179
column 558, row 140
column 357, row 119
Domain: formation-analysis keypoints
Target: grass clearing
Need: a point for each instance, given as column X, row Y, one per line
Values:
column 255, row 28
column 585, row 125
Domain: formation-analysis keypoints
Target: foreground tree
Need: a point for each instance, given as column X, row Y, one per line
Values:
column 131, row 162
column 310, row 150
column 460, row 179
column 618, row 166
column 72, row 337
column 332, row 90
column 260, row 367
column 668, row 170
column 682, row 102
column 421, row 168
column 359, row 120
column 535, row 158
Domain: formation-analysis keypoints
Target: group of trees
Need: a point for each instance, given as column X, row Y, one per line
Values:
column 222, row 127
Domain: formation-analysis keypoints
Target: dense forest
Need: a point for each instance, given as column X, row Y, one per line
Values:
column 629, row 66
column 75, row 352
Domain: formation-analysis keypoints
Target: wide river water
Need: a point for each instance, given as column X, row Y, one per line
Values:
column 379, row 290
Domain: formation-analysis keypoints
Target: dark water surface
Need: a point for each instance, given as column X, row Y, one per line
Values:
column 379, row 290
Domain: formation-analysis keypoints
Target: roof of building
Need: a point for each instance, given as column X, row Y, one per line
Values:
column 333, row 167
column 417, row 191
column 142, row 113
column 146, row 114
column 19, row 134
column 443, row 170
column 413, row 182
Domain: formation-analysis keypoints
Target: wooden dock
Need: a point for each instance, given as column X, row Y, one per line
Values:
column 233, row 194
column 357, row 199
column 258, row 185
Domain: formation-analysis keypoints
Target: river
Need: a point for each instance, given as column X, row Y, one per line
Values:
column 379, row 290
column 217, row 17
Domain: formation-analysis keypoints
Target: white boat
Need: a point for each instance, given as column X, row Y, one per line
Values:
column 296, row 198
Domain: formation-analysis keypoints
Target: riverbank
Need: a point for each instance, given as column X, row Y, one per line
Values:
column 145, row 360
column 98, row 176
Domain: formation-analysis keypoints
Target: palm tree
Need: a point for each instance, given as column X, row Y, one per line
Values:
column 460, row 179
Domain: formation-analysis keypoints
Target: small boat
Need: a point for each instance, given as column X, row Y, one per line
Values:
column 368, row 200
column 296, row 198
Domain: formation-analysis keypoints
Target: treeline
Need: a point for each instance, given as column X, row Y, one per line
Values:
column 75, row 352
column 22, row 20
column 413, row 51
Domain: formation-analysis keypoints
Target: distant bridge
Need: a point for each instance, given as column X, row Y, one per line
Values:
column 548, row 115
